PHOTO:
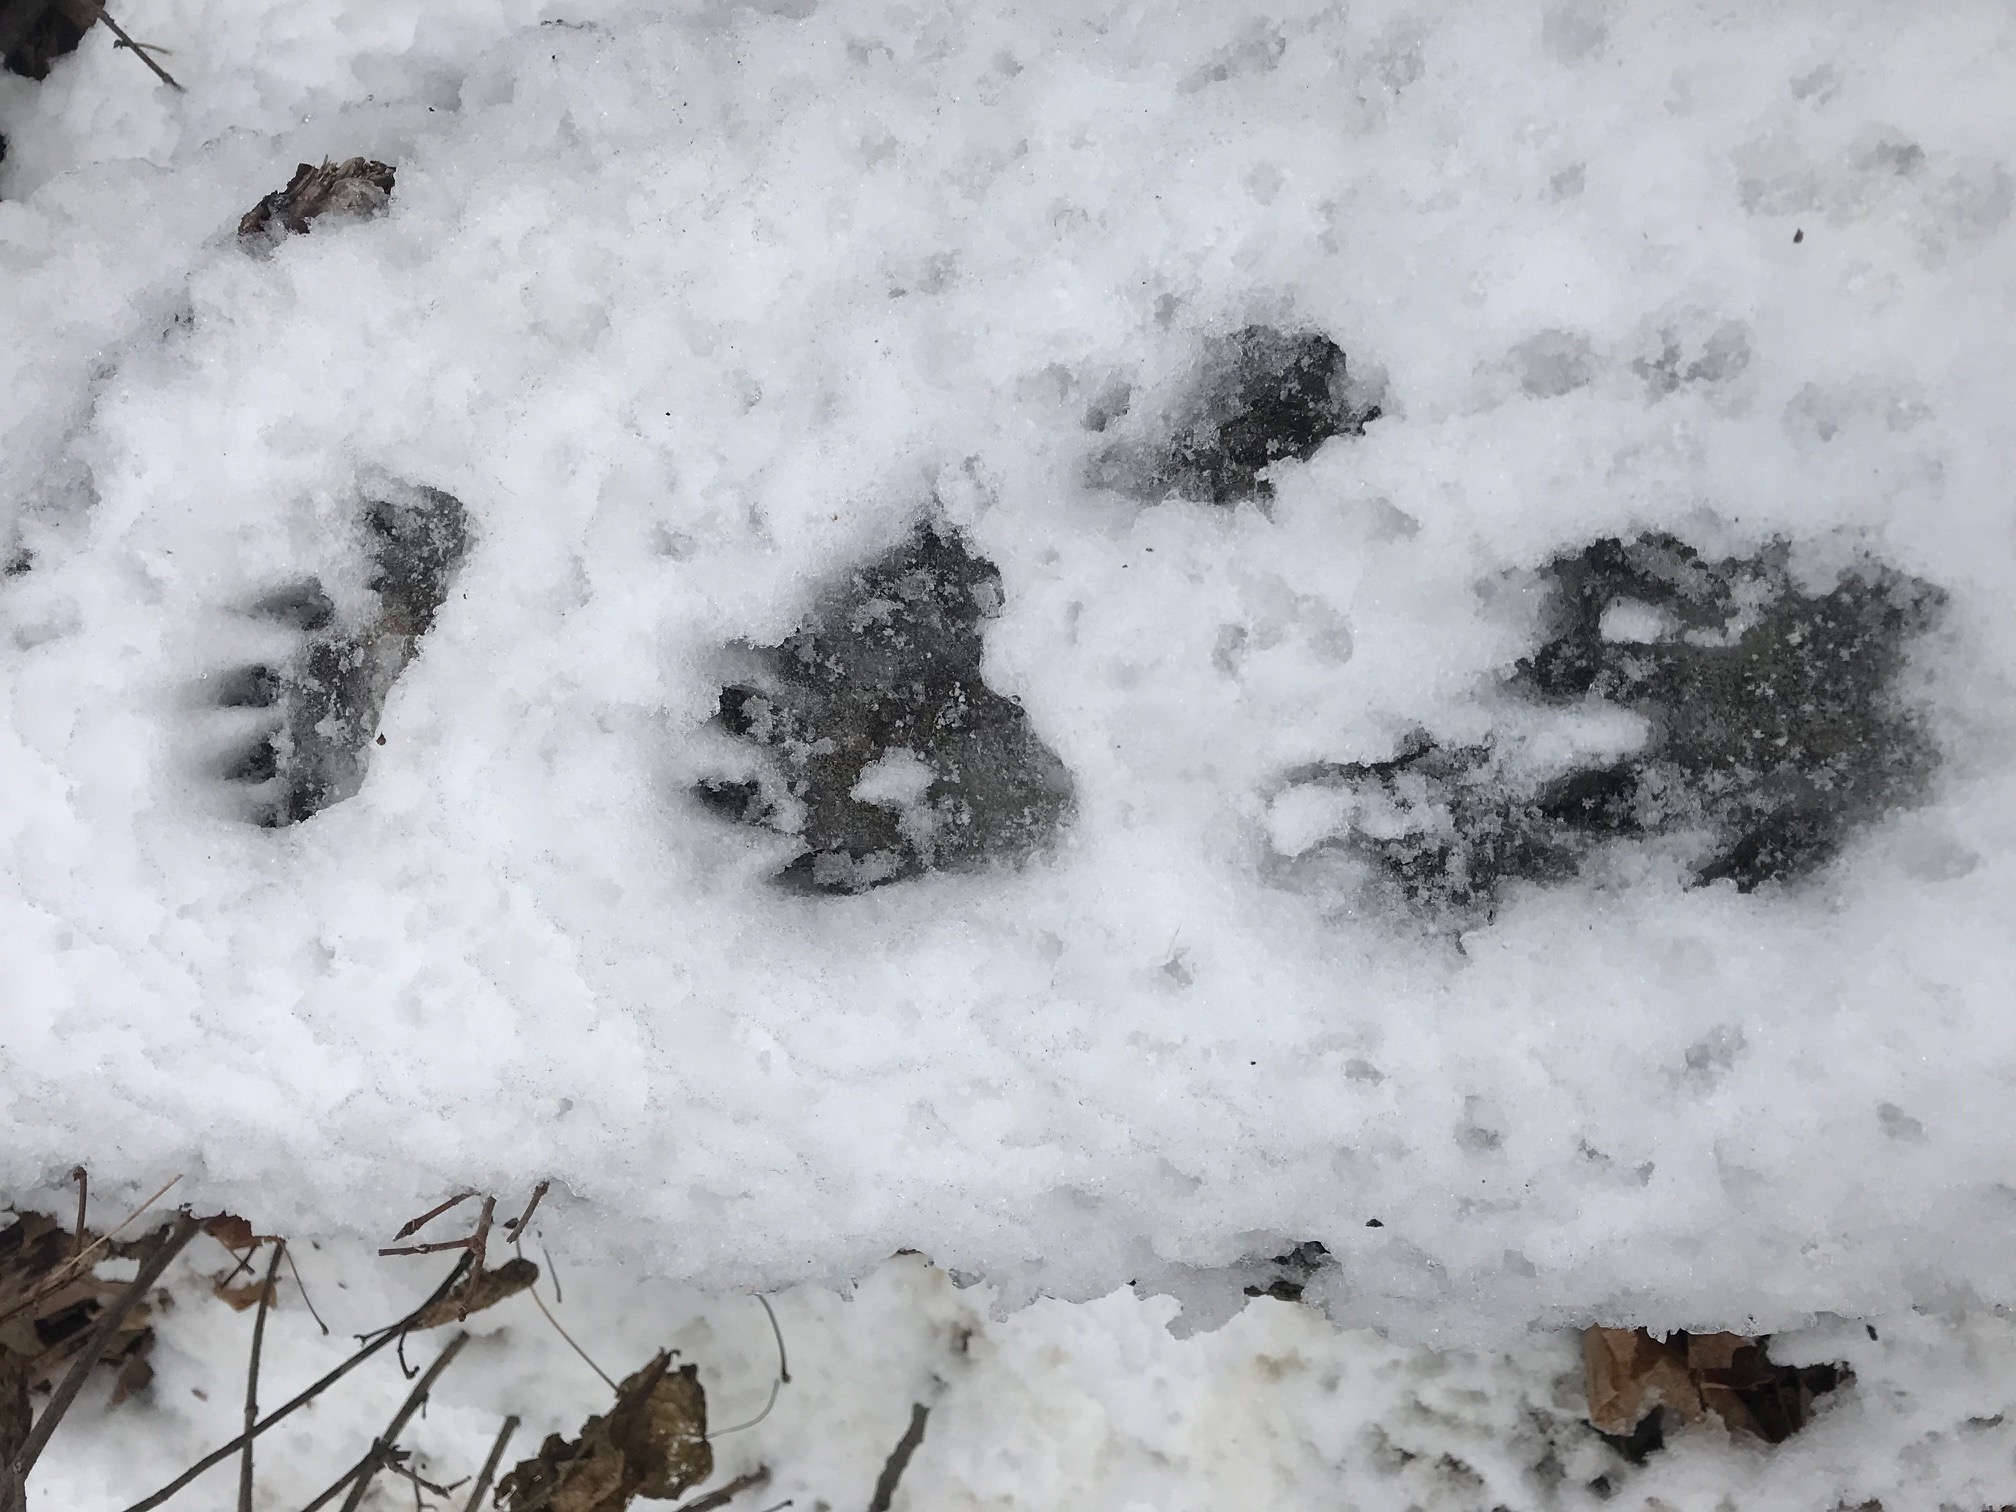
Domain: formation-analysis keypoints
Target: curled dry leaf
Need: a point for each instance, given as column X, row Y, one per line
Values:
column 242, row 1296
column 482, row 1289
column 233, row 1232
column 137, row 1374
column 48, row 1306
column 1630, row 1375
column 356, row 188
column 652, row 1443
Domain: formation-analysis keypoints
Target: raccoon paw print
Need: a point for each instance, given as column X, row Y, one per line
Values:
column 1261, row 396
column 315, row 713
column 1774, row 722
column 1445, row 827
column 880, row 745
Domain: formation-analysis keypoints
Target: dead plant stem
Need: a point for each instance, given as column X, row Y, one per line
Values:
column 252, row 1375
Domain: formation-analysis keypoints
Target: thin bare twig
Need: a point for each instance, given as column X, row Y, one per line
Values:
column 302, row 1287
column 140, row 49
column 185, row 1228
column 244, row 1264
column 727, row 1493
column 83, row 1179
column 389, row 1439
column 377, row 1342
column 67, row 1272
column 782, row 1380
column 570, row 1341
column 479, row 1242
column 516, row 1226
column 489, row 1471
column 398, row 1466
column 415, row 1225
column 769, row 1404
column 330, row 1493
column 411, row 1320
column 899, row 1459
column 783, row 1364
column 438, row 1247
column 252, row 1375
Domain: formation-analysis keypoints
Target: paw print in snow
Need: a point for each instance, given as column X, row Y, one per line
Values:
column 1260, row 396
column 1773, row 722
column 314, row 715
column 881, row 746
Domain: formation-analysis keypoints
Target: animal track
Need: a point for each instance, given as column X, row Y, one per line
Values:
column 1774, row 730
column 1261, row 396
column 882, row 747
column 319, row 709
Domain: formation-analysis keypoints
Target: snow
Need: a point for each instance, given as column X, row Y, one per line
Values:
column 701, row 313
column 1053, row 1405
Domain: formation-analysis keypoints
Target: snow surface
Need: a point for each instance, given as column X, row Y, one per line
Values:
column 699, row 309
column 1055, row 1406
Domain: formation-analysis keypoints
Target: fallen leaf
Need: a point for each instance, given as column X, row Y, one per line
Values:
column 137, row 1374
column 231, row 1231
column 480, row 1290
column 49, row 1304
column 356, row 188
column 242, row 1296
column 652, row 1443
column 1629, row 1375
column 1715, row 1351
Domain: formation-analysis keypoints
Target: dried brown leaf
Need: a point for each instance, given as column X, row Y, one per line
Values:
column 356, row 188
column 49, row 1305
column 31, row 1251
column 242, row 1296
column 1715, row 1351
column 482, row 1290
column 652, row 1443
column 593, row 1483
column 1731, row 1407
column 137, row 1374
column 233, row 1232
column 1629, row 1374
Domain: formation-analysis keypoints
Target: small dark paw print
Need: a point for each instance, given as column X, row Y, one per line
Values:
column 322, row 705
column 1774, row 724
column 882, row 748
column 1261, row 396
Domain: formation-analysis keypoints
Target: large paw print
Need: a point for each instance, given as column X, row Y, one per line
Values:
column 1774, row 729
column 881, row 746
column 1260, row 396
column 316, row 713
